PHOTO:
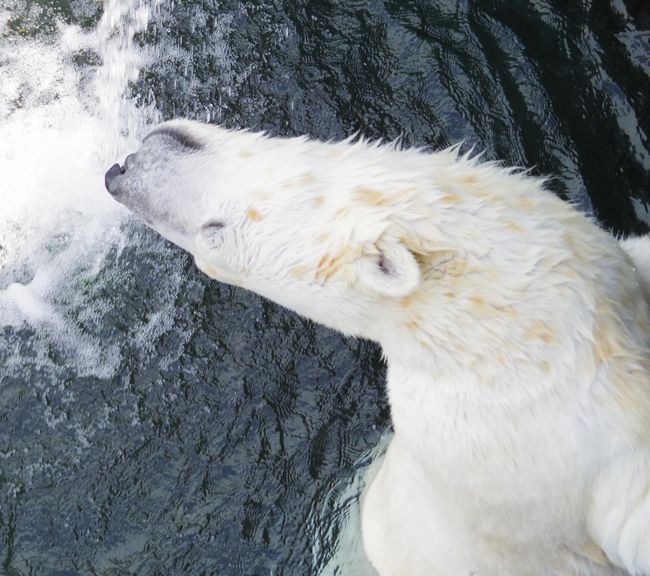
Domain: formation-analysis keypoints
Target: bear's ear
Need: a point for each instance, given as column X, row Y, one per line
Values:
column 392, row 271
column 211, row 235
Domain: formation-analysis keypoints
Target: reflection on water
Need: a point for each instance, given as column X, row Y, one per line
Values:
column 155, row 422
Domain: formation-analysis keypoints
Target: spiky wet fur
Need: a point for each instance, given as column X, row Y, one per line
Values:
column 515, row 329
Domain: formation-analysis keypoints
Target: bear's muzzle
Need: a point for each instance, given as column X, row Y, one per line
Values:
column 113, row 172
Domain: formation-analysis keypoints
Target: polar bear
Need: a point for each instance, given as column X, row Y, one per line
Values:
column 516, row 334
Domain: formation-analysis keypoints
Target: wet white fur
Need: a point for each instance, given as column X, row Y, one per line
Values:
column 516, row 334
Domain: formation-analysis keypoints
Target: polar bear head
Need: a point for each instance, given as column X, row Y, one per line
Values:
column 277, row 216
column 442, row 259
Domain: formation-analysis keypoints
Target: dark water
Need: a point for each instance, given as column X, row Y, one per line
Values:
column 223, row 436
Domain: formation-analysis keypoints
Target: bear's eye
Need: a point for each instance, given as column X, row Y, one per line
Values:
column 212, row 233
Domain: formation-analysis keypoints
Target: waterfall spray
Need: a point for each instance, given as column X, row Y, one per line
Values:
column 63, row 120
column 121, row 63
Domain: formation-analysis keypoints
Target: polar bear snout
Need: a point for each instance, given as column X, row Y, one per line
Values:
column 150, row 167
column 109, row 178
column 112, row 176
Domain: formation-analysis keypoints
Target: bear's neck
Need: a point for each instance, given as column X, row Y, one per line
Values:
column 497, row 345
column 460, row 399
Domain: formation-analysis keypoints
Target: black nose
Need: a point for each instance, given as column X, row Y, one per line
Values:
column 112, row 172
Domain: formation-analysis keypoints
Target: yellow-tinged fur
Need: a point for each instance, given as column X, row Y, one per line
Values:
column 515, row 330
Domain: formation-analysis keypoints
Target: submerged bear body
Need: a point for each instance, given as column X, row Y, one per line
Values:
column 517, row 335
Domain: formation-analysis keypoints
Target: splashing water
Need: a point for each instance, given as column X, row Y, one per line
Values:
column 63, row 119
column 121, row 21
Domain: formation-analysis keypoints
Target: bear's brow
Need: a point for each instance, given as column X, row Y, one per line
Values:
column 177, row 135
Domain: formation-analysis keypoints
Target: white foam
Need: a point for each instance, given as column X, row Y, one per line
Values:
column 63, row 123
